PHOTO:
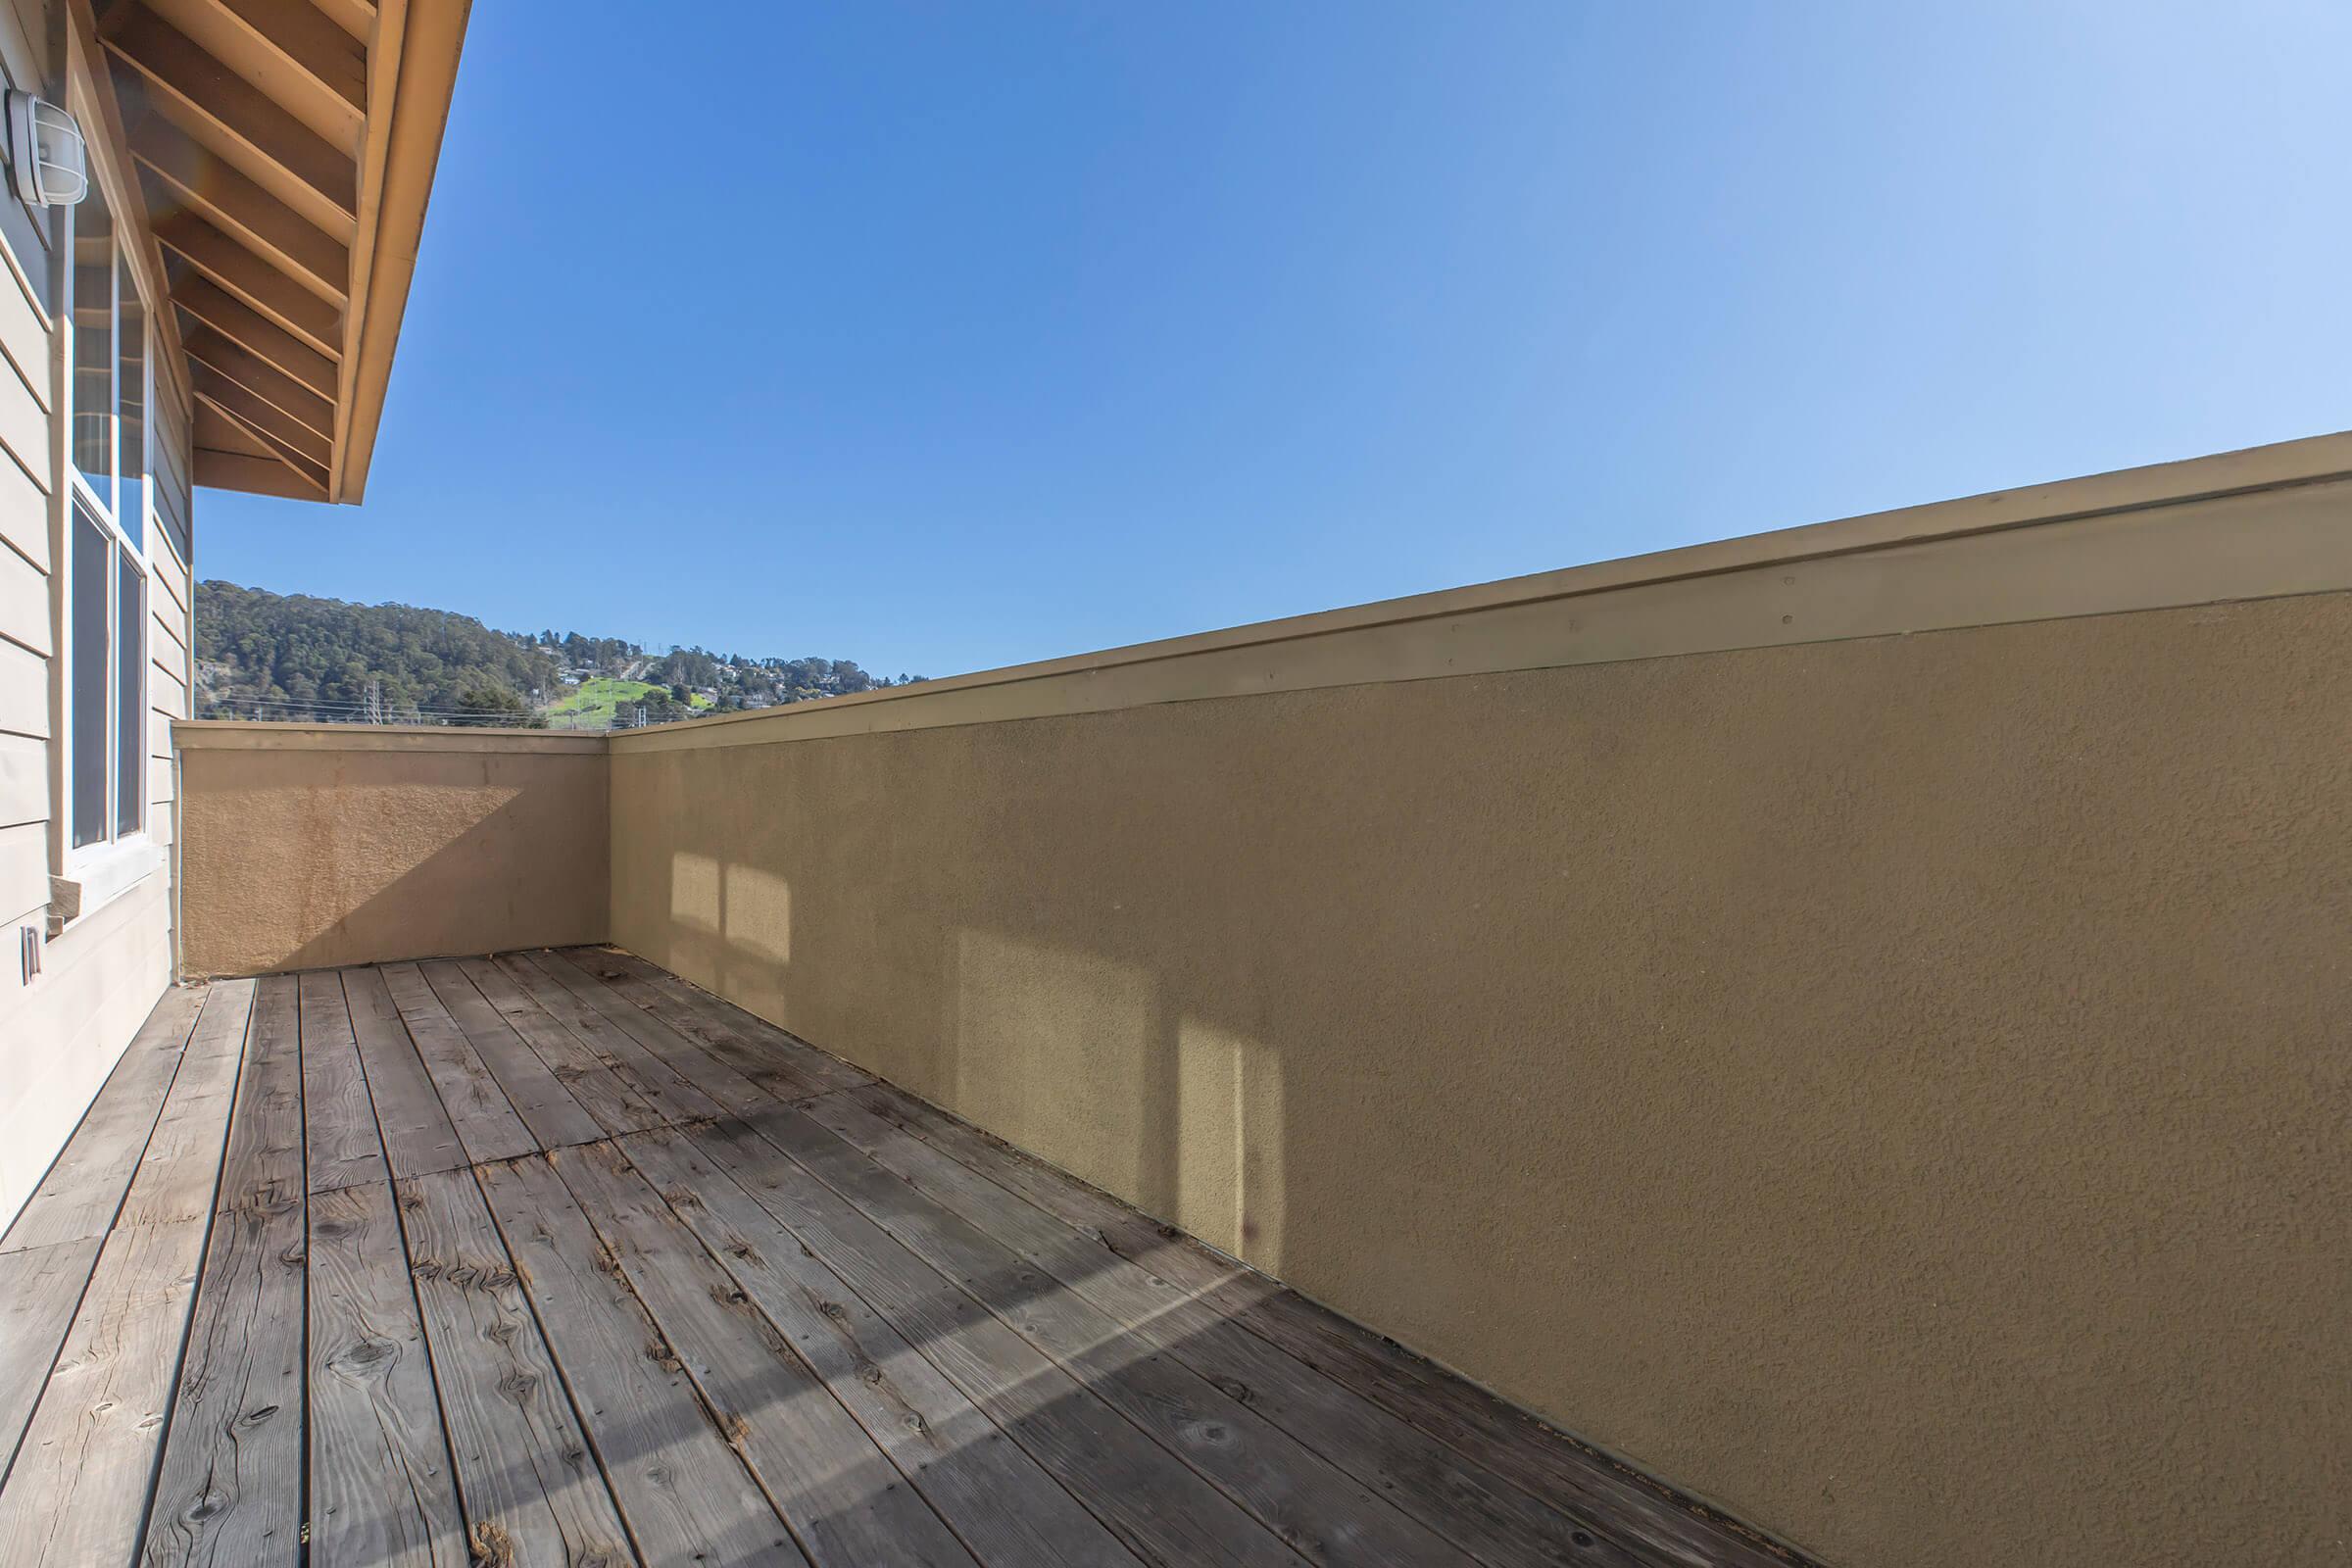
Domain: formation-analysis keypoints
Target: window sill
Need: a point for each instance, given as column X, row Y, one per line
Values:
column 100, row 878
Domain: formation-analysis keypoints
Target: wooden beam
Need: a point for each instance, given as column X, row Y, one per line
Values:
column 354, row 17
column 212, row 428
column 386, row 38
column 300, row 468
column 264, row 418
column 242, row 272
column 293, row 465
column 294, row 34
column 262, row 378
column 255, row 477
column 235, row 119
column 432, row 37
column 247, row 212
column 207, row 302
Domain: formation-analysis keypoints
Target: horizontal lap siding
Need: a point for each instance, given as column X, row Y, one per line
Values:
column 24, row 693
column 168, row 693
column 23, row 324
column 164, row 650
column 170, row 632
column 25, row 340
column 23, row 25
column 174, row 462
column 61, row 1032
column 24, row 508
column 23, row 781
column 24, row 427
column 26, row 640
column 23, row 861
column 171, row 582
column 27, row 232
column 27, row 631
column 24, row 603
column 171, row 625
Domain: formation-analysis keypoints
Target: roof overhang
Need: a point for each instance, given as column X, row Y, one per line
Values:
column 284, row 151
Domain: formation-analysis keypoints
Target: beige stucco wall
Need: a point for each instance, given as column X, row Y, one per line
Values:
column 304, row 846
column 1894, row 1086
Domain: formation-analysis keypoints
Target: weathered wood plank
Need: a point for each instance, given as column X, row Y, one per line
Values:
column 338, row 1118
column 417, row 1131
column 181, row 1172
column 1627, row 1507
column 1163, row 1511
column 532, row 1492
column 848, row 1295
column 80, row 1485
column 656, row 1082
column 548, row 1110
column 83, row 1188
column 1475, row 1510
column 231, row 1489
column 846, row 1503
column 612, row 1103
column 40, row 1287
column 264, row 1134
column 984, row 1485
column 380, row 1483
column 729, row 1090
column 686, row 1496
column 1326, row 1514
column 771, row 1058
column 477, row 1108
column 742, row 1039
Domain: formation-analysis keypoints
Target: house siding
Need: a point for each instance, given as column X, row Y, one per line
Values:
column 63, row 1029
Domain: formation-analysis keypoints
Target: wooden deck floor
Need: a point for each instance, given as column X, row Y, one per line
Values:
column 554, row 1259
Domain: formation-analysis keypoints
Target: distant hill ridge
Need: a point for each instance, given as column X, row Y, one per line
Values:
column 261, row 654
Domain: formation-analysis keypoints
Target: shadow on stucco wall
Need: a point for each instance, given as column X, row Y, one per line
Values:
column 299, row 858
column 1851, row 1079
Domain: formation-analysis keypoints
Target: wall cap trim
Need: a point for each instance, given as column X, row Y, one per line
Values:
column 249, row 735
column 2151, row 554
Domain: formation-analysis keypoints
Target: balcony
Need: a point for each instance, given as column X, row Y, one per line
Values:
column 1849, row 1023
column 554, row 1259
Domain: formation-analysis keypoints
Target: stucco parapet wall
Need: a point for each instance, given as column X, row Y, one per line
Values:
column 238, row 735
column 2264, row 522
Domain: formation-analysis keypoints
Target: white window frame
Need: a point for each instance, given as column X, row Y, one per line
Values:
column 115, row 848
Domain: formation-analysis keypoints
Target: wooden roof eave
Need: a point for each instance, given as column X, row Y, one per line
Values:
column 285, row 154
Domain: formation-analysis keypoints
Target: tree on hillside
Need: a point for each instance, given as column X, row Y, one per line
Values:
column 487, row 703
column 294, row 657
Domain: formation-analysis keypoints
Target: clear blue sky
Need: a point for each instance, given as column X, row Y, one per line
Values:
column 948, row 336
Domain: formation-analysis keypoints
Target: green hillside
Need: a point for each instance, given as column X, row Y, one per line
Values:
column 261, row 654
column 292, row 657
column 592, row 702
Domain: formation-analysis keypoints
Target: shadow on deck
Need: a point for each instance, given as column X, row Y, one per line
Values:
column 554, row 1259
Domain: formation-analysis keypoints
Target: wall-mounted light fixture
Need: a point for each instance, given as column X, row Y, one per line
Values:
column 47, row 164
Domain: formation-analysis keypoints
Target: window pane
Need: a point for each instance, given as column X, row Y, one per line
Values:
column 130, row 695
column 132, row 389
column 92, row 566
column 95, row 343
